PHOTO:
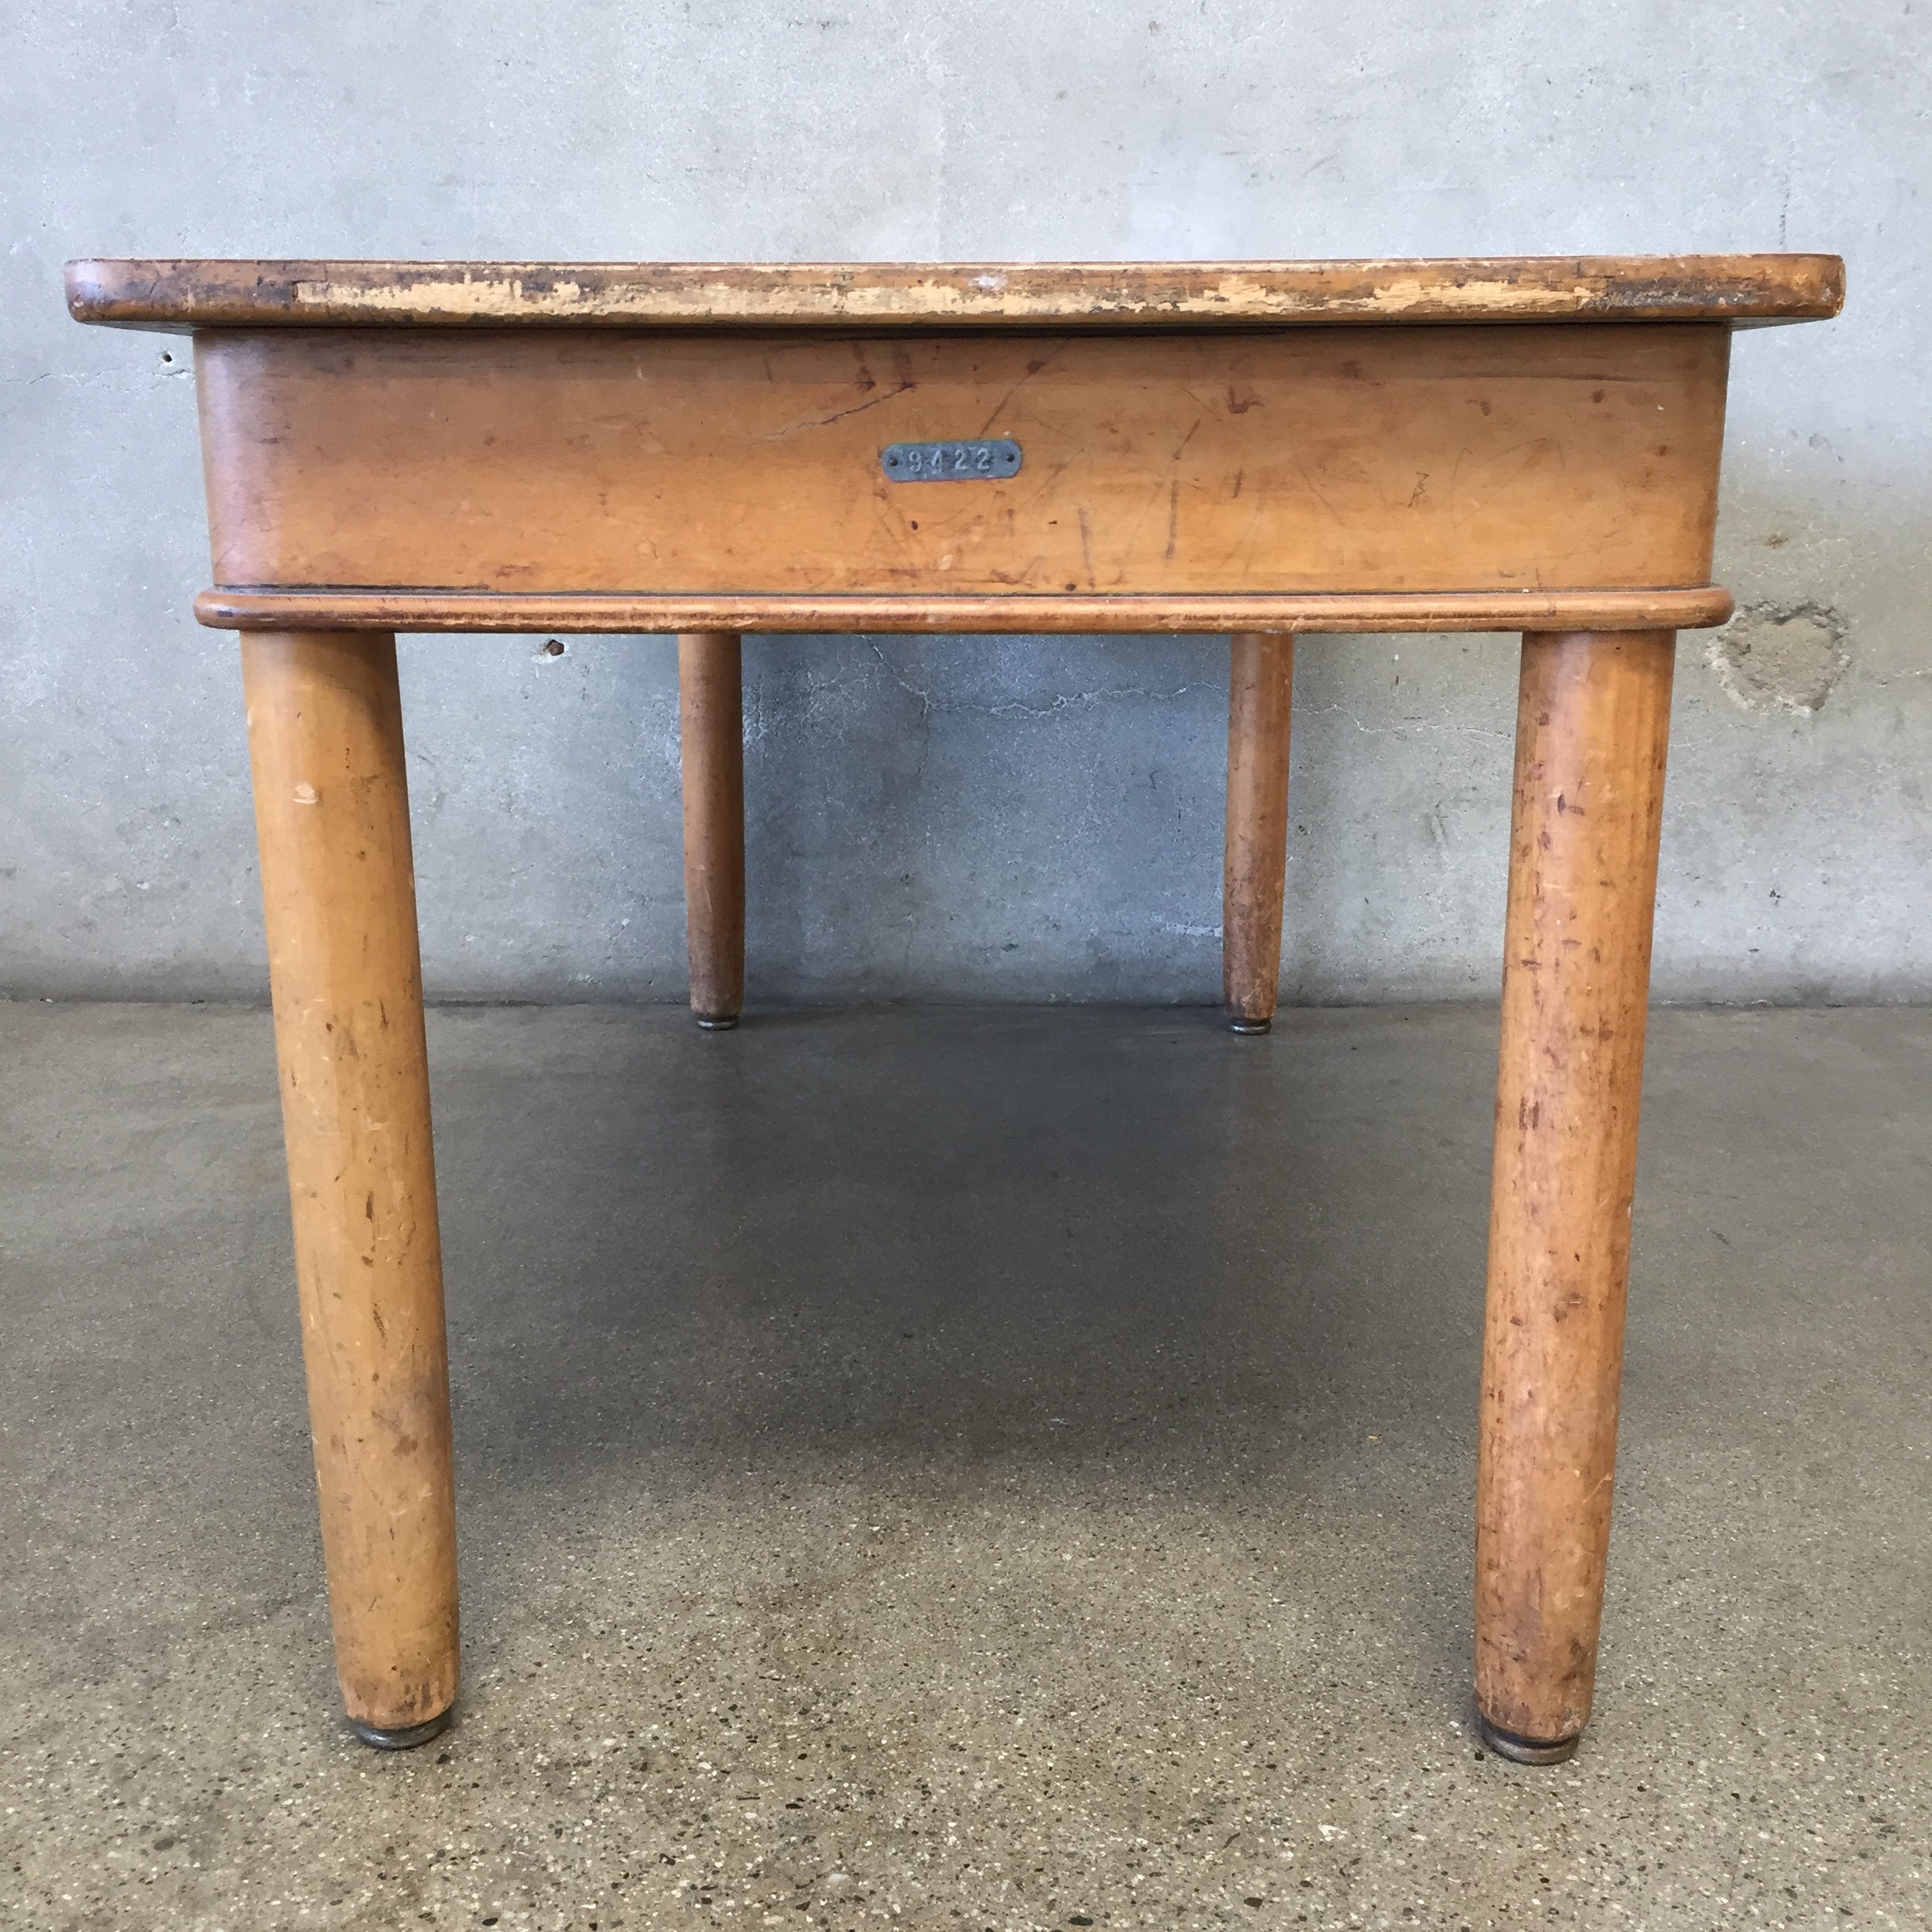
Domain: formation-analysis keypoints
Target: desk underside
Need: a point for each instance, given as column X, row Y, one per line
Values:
column 1334, row 477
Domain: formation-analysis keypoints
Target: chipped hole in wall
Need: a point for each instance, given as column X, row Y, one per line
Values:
column 1781, row 656
column 551, row 647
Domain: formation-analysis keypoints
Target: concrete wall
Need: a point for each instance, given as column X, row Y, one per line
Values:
column 968, row 817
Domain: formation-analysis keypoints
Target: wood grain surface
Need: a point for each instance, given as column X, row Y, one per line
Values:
column 711, row 752
column 1322, row 460
column 331, row 813
column 430, row 611
column 1254, row 853
column 188, row 294
column 1592, row 718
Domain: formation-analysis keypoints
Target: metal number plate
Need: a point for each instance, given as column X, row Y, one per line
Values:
column 950, row 462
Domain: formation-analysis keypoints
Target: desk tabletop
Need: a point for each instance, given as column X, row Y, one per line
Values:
column 183, row 295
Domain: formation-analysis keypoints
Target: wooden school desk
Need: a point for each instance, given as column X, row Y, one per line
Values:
column 1259, row 449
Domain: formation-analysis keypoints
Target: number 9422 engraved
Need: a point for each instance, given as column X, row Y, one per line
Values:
column 950, row 462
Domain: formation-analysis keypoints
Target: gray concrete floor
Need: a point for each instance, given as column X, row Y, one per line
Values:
column 964, row 1468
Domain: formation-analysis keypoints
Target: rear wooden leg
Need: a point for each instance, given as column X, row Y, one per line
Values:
column 1592, row 721
column 331, row 812
column 1261, row 681
column 711, row 722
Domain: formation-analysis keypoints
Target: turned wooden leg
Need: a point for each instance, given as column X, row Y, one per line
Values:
column 1261, row 681
column 332, row 812
column 711, row 722
column 1592, row 721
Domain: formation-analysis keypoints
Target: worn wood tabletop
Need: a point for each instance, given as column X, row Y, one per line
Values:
column 188, row 294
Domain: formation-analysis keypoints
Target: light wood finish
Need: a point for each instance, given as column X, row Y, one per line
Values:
column 1301, row 462
column 206, row 295
column 915, row 611
column 1261, row 448
column 711, row 742
column 1254, row 857
column 331, row 809
column 1592, row 721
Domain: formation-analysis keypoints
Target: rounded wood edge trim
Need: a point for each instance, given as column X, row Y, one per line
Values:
column 223, row 294
column 1690, row 609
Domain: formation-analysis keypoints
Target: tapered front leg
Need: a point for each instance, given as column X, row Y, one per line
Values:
column 1592, row 721
column 711, row 722
column 332, row 812
column 1254, row 858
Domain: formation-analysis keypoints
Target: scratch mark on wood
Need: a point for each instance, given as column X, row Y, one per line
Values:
column 820, row 422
